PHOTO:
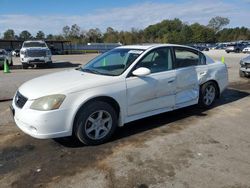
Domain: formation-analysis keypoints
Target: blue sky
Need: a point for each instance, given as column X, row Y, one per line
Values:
column 51, row 15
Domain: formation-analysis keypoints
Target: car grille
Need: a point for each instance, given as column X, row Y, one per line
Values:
column 20, row 100
column 36, row 53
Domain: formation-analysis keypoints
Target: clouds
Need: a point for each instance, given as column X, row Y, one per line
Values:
column 124, row 18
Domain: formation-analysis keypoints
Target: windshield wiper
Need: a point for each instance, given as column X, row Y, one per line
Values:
column 90, row 71
column 94, row 71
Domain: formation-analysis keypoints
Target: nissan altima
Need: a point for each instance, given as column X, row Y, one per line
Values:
column 123, row 85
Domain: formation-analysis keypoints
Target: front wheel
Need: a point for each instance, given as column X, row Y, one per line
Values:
column 208, row 93
column 242, row 74
column 25, row 65
column 95, row 123
column 49, row 64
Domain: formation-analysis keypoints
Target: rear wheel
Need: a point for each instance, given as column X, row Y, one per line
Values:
column 49, row 64
column 95, row 123
column 208, row 93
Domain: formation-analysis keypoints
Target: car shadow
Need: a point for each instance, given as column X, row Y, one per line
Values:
column 54, row 65
column 230, row 95
column 60, row 65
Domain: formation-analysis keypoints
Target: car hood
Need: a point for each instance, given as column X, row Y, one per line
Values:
column 64, row 82
column 246, row 59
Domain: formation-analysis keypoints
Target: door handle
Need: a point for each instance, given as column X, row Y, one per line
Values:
column 171, row 81
column 203, row 73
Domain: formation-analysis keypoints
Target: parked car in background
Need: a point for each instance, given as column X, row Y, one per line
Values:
column 245, row 67
column 16, row 53
column 5, row 56
column 122, row 85
column 219, row 46
column 237, row 48
column 199, row 47
column 246, row 49
column 35, row 52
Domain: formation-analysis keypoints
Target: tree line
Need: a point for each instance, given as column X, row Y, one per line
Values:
column 166, row 31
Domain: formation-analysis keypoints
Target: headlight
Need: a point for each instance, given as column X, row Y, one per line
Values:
column 50, row 102
column 242, row 62
column 23, row 53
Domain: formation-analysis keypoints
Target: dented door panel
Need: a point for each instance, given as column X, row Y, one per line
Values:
column 156, row 91
column 187, row 88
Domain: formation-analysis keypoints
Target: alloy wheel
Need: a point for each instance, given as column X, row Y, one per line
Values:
column 209, row 96
column 98, row 125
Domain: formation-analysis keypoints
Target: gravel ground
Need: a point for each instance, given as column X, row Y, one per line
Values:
column 185, row 148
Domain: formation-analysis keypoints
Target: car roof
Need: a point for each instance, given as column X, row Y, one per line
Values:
column 149, row 46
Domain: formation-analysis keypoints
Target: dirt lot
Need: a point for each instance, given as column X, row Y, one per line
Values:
column 184, row 148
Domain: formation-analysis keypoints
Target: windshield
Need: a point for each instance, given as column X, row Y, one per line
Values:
column 34, row 44
column 112, row 63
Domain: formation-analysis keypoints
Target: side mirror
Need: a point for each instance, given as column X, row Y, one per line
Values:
column 142, row 71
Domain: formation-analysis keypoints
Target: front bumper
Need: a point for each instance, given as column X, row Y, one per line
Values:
column 246, row 71
column 42, row 124
column 245, row 68
column 35, row 60
column 246, row 50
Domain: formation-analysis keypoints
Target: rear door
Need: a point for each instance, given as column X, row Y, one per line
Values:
column 187, row 84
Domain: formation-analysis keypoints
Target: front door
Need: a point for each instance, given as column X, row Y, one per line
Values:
column 155, row 91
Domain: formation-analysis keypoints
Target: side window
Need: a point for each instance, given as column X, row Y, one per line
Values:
column 157, row 60
column 186, row 57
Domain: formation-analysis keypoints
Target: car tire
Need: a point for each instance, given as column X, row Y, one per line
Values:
column 241, row 74
column 228, row 52
column 208, row 93
column 49, row 64
column 95, row 123
column 25, row 65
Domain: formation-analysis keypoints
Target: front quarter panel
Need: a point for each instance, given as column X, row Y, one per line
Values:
column 76, row 100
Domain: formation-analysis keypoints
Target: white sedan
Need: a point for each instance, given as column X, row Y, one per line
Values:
column 125, row 84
